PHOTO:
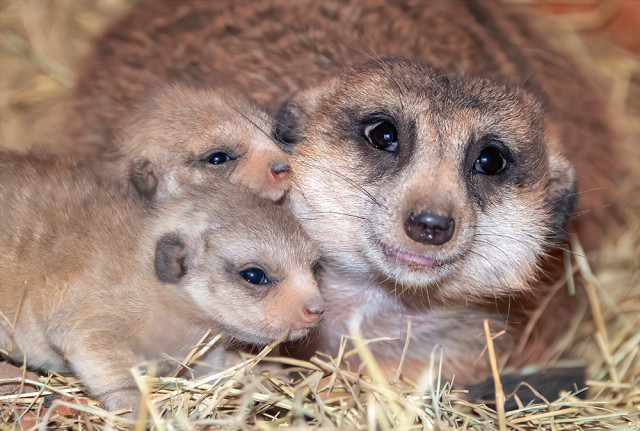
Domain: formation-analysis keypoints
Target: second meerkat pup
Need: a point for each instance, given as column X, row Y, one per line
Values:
column 182, row 136
column 95, row 282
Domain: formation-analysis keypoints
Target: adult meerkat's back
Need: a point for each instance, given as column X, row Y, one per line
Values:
column 272, row 49
column 93, row 283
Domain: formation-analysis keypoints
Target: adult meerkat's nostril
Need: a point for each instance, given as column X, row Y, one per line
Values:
column 429, row 228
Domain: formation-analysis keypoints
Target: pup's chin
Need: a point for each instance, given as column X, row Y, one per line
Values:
column 274, row 334
column 298, row 333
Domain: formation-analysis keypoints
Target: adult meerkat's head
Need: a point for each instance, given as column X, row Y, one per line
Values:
column 185, row 136
column 434, row 181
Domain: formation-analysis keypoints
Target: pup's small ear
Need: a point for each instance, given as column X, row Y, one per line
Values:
column 172, row 258
column 143, row 177
column 295, row 112
column 563, row 188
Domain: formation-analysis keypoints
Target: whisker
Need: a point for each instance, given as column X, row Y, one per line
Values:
column 346, row 179
column 246, row 117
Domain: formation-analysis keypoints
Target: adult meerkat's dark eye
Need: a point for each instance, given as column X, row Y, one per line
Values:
column 382, row 135
column 219, row 158
column 490, row 162
column 255, row 276
column 316, row 267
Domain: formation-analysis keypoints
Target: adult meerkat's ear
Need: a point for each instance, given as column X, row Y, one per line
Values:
column 563, row 185
column 295, row 112
column 172, row 258
column 143, row 177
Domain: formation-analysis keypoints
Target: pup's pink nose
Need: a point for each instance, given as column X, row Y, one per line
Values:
column 279, row 170
column 312, row 310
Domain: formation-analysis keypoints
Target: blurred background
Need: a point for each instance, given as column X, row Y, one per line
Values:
column 41, row 41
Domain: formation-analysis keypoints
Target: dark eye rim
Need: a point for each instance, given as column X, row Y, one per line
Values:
column 316, row 267
column 265, row 280
column 371, row 124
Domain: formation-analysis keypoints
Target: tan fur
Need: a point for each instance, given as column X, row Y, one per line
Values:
column 281, row 48
column 95, row 287
column 162, row 145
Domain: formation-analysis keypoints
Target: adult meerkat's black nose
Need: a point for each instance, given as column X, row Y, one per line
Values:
column 429, row 228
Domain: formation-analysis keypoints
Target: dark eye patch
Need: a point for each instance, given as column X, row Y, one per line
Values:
column 488, row 156
column 489, row 165
column 388, row 148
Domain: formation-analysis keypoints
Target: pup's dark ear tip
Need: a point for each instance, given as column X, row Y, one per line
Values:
column 143, row 177
column 171, row 260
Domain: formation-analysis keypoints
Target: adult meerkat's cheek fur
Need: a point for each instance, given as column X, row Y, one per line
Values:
column 453, row 184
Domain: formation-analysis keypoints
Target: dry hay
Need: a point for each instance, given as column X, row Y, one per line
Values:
column 39, row 43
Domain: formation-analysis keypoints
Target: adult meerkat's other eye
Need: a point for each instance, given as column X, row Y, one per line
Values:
column 219, row 158
column 490, row 162
column 255, row 276
column 382, row 135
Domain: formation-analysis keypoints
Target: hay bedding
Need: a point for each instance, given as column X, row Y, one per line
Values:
column 39, row 43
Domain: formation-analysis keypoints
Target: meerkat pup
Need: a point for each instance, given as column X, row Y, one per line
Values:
column 96, row 283
column 181, row 136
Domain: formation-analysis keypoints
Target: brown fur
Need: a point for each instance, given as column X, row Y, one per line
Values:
column 350, row 199
column 96, row 283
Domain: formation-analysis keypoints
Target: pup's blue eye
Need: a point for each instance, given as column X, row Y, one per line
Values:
column 255, row 276
column 219, row 158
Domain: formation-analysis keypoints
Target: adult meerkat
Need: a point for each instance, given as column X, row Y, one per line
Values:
column 456, row 190
column 278, row 48
column 93, row 283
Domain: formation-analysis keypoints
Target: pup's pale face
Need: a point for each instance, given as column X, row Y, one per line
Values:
column 191, row 137
column 246, row 264
column 432, row 182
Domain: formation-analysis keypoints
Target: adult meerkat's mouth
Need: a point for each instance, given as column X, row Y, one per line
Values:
column 399, row 255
